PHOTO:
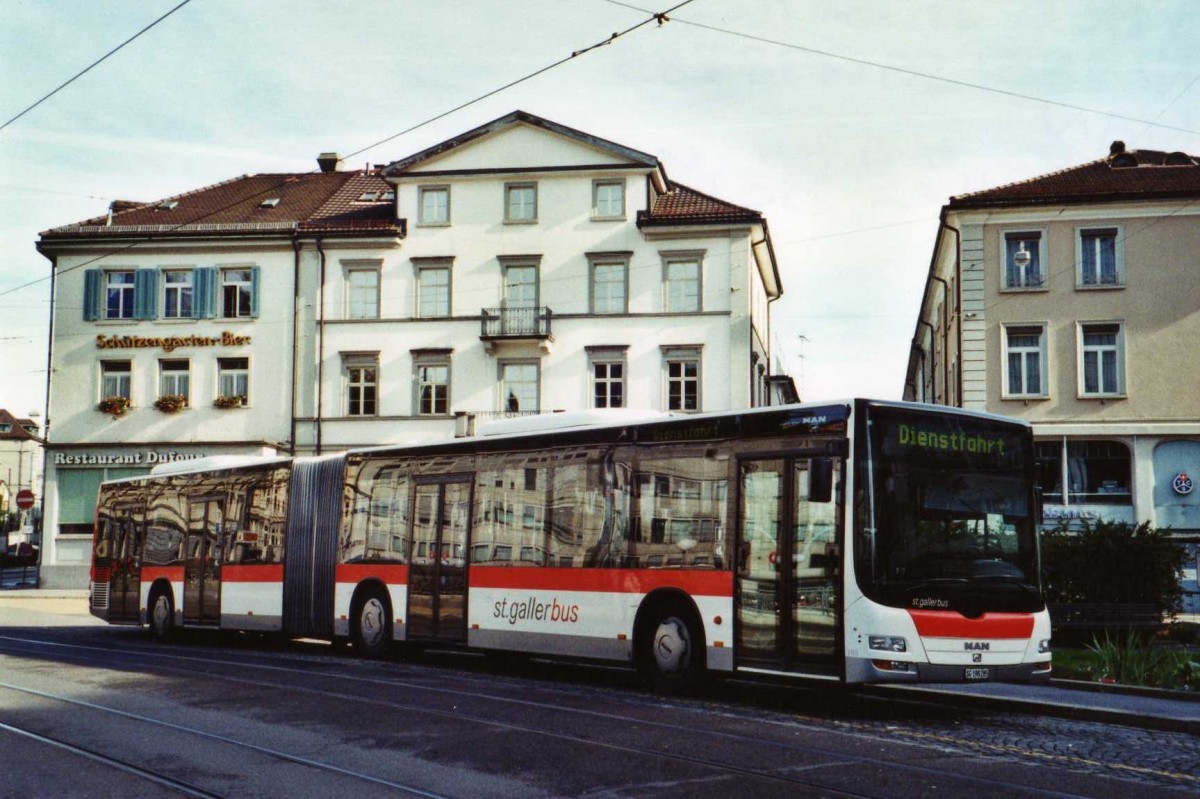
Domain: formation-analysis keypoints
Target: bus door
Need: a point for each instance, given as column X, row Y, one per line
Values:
column 127, row 525
column 788, row 567
column 202, row 560
column 437, row 585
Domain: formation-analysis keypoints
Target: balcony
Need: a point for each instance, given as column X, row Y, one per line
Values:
column 517, row 326
column 467, row 423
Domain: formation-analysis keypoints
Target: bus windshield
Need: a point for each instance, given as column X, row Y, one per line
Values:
column 946, row 513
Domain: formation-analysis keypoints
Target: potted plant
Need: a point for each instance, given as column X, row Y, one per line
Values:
column 171, row 403
column 228, row 401
column 114, row 406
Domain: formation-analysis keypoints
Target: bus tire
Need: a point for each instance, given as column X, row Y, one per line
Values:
column 162, row 615
column 372, row 623
column 671, row 652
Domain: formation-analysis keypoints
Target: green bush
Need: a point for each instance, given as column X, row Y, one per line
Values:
column 1113, row 562
column 1136, row 660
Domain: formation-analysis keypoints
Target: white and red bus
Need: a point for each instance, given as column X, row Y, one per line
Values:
column 857, row 541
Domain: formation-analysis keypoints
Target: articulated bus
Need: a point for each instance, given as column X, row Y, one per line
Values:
column 858, row 541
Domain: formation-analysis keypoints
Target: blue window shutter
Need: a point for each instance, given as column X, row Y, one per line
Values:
column 145, row 294
column 91, row 295
column 254, row 291
column 205, row 300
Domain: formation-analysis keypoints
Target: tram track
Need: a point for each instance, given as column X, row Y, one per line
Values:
column 827, row 757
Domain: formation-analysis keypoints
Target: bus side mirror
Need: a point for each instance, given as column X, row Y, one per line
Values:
column 820, row 480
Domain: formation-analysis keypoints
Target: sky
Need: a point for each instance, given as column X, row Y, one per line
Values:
column 848, row 124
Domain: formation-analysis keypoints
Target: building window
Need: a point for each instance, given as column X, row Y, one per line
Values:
column 1094, row 472
column 681, row 282
column 609, row 283
column 361, row 374
column 607, row 365
column 1024, row 361
column 608, row 199
column 178, row 294
column 362, row 293
column 1101, row 359
column 520, row 202
column 520, row 285
column 116, row 379
column 681, row 366
column 434, row 204
column 1023, row 260
column 519, row 387
column 119, row 294
column 237, row 292
column 432, row 383
column 433, row 290
column 233, row 378
column 1099, row 258
column 174, row 378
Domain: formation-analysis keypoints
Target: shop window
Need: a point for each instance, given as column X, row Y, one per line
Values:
column 1094, row 472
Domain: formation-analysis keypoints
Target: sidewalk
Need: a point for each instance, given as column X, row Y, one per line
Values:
column 47, row 600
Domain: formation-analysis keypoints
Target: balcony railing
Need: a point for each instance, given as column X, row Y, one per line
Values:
column 466, row 423
column 514, row 323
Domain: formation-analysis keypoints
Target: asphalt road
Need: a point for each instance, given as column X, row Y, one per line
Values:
column 88, row 710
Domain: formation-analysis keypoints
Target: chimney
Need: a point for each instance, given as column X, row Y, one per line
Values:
column 1116, row 148
column 328, row 162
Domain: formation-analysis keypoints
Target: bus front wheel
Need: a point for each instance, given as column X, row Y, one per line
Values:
column 162, row 615
column 671, row 656
column 373, row 624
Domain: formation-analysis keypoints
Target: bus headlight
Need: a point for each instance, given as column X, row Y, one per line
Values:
column 887, row 643
column 1043, row 646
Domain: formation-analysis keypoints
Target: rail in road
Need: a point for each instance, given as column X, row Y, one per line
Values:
column 706, row 747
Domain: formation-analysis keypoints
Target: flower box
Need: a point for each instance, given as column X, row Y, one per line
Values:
column 228, row 402
column 171, row 403
column 116, row 407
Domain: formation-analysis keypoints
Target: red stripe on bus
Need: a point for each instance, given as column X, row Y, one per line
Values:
column 948, row 624
column 252, row 573
column 615, row 581
column 389, row 573
column 151, row 573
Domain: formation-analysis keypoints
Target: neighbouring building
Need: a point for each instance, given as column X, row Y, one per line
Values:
column 20, row 462
column 521, row 267
column 1069, row 300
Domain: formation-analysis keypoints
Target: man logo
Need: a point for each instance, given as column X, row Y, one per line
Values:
column 977, row 646
column 977, row 657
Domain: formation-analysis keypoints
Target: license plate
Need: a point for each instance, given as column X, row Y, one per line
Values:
column 973, row 675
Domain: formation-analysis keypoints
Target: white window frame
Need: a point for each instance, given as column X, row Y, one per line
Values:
column 1118, row 235
column 1024, row 234
column 513, row 191
column 683, row 357
column 115, row 381
column 607, row 357
column 597, row 261
column 502, row 382
column 181, row 289
column 601, row 183
column 362, row 301
column 227, row 370
column 173, row 381
column 421, row 363
column 432, row 217
column 423, row 267
column 1084, row 350
column 360, row 370
column 126, row 294
column 1042, row 350
column 684, row 258
column 243, row 291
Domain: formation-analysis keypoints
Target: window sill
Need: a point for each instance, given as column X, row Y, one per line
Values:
column 1024, row 289
column 1024, row 397
column 1101, row 397
column 520, row 221
column 1106, row 287
column 432, row 224
column 621, row 218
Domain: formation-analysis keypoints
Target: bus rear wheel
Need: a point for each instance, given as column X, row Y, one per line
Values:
column 671, row 656
column 162, row 615
column 372, row 631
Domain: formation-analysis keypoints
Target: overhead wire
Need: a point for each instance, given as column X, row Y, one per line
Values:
column 92, row 65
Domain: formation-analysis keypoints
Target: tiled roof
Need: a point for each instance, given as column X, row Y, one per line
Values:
column 1123, row 175
column 16, row 428
column 682, row 205
column 314, row 201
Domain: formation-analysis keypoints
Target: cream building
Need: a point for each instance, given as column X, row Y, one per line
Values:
column 522, row 267
column 1069, row 300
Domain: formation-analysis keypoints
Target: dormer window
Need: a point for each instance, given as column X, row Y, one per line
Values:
column 368, row 197
column 270, row 202
column 169, row 205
